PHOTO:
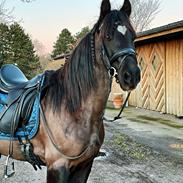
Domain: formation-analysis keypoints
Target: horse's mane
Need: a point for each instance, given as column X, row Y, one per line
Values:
column 73, row 82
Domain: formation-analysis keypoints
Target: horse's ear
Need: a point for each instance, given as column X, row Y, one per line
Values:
column 127, row 8
column 105, row 9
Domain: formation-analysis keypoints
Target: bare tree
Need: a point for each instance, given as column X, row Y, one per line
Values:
column 27, row 1
column 39, row 47
column 143, row 13
column 6, row 15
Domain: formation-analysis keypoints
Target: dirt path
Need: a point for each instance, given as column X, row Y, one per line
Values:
column 125, row 161
column 131, row 162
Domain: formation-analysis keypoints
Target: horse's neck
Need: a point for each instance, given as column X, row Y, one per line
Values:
column 86, row 120
column 101, row 94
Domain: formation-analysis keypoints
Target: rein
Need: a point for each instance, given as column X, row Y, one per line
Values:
column 120, row 112
column 50, row 135
column 108, row 61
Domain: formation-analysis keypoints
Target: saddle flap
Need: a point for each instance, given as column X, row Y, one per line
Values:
column 9, row 116
column 19, row 107
column 13, row 96
column 27, row 105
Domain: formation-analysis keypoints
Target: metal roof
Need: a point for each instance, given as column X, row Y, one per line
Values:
column 163, row 32
column 161, row 29
column 62, row 56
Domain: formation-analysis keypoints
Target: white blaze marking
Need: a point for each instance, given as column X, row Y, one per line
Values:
column 122, row 29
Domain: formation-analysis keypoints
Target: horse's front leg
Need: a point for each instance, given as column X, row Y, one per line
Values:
column 81, row 173
column 58, row 175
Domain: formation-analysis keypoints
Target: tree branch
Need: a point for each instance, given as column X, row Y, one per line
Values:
column 143, row 13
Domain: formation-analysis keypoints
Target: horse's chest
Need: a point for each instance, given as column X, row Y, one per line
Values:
column 86, row 135
column 95, row 140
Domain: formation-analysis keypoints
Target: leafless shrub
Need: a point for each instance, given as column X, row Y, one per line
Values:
column 143, row 13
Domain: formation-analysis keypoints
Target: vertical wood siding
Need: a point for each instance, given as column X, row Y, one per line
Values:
column 161, row 86
column 174, row 77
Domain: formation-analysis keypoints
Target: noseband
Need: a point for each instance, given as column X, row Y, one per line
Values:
column 109, row 61
column 122, row 53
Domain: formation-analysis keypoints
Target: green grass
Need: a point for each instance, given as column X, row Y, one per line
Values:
column 131, row 148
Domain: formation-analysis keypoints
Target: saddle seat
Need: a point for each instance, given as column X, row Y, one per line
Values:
column 21, row 94
column 12, row 78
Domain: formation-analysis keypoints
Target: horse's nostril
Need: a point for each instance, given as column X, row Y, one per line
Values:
column 127, row 77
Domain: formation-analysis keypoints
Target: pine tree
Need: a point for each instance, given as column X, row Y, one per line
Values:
column 4, row 43
column 22, row 51
column 84, row 31
column 62, row 44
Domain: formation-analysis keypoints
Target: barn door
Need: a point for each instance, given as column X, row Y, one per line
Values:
column 143, row 90
column 151, row 59
column 157, row 77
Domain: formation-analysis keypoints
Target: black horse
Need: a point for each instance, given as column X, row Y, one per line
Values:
column 74, row 103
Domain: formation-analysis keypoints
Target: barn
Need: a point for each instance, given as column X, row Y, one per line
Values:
column 160, row 57
column 57, row 62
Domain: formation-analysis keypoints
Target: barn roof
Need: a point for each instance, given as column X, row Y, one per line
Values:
column 164, row 32
column 62, row 56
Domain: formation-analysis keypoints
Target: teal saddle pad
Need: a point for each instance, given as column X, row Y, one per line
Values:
column 30, row 128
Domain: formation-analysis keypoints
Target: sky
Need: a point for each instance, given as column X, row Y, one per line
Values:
column 44, row 19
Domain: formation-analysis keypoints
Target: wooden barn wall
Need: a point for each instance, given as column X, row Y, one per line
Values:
column 161, row 86
column 174, row 77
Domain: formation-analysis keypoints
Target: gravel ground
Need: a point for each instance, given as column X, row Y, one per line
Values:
column 125, row 161
column 115, row 168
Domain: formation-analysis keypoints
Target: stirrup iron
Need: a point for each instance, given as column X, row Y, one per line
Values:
column 6, row 175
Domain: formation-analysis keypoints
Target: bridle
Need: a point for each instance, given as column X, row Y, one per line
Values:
column 110, row 60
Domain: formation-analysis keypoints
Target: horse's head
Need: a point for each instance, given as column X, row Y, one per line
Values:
column 116, row 37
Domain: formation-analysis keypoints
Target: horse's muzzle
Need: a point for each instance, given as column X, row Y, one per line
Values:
column 130, row 76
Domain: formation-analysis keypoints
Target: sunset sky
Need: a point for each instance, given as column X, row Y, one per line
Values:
column 44, row 19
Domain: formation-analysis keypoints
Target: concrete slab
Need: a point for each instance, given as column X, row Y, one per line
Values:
column 162, row 132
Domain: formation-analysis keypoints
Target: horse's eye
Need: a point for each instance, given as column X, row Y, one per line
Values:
column 116, row 23
column 108, row 37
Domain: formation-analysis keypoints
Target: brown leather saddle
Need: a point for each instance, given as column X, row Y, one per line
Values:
column 21, row 93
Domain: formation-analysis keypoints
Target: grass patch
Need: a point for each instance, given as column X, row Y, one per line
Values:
column 130, row 148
